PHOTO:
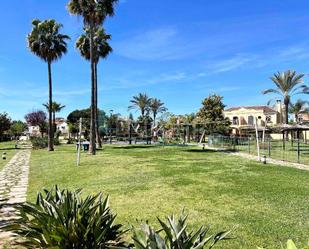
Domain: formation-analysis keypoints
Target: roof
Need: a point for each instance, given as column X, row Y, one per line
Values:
column 258, row 108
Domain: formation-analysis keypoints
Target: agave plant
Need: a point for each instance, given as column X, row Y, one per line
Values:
column 174, row 235
column 62, row 219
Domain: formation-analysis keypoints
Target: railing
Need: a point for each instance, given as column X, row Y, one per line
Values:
column 292, row 150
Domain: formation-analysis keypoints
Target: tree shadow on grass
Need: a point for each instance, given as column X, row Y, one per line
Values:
column 201, row 151
column 128, row 147
column 9, row 149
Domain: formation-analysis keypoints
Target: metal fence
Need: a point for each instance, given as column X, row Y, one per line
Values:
column 292, row 150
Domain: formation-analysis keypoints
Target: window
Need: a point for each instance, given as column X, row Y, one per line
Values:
column 250, row 120
column 235, row 121
column 268, row 119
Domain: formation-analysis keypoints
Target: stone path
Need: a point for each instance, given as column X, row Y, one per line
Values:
column 13, row 190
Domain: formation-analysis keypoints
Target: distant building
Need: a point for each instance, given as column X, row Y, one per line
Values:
column 244, row 118
column 303, row 116
column 62, row 126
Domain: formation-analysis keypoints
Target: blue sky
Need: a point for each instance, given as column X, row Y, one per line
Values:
column 176, row 50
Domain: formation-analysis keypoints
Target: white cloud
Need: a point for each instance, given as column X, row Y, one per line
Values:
column 158, row 44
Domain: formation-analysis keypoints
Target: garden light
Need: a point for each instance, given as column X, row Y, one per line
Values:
column 264, row 159
column 4, row 155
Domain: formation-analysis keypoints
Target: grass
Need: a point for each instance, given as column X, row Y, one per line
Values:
column 269, row 203
column 277, row 151
column 9, row 149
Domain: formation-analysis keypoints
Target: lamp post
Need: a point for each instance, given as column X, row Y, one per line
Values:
column 110, row 125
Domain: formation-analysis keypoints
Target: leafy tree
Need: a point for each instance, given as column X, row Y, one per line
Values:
column 156, row 107
column 17, row 128
column 211, row 115
column 288, row 84
column 48, row 44
column 94, row 13
column 101, row 50
column 37, row 118
column 74, row 118
column 5, row 123
column 297, row 107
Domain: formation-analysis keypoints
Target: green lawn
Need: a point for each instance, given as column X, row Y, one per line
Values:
column 269, row 203
column 9, row 149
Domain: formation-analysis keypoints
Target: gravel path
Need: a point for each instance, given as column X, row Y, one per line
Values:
column 13, row 190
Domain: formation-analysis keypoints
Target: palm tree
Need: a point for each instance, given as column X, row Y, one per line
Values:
column 298, row 107
column 288, row 83
column 55, row 107
column 94, row 13
column 142, row 102
column 156, row 107
column 101, row 50
column 47, row 43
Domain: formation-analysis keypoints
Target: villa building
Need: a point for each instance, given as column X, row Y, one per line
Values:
column 303, row 116
column 243, row 119
column 62, row 126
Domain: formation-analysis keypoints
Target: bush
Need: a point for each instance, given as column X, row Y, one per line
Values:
column 174, row 235
column 42, row 142
column 62, row 219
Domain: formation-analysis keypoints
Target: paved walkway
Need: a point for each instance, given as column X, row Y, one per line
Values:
column 13, row 189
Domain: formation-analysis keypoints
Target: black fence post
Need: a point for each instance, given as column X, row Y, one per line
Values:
column 298, row 151
column 249, row 144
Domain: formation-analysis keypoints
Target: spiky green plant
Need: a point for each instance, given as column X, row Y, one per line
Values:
column 174, row 234
column 63, row 219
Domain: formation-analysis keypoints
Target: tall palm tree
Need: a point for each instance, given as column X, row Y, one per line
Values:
column 55, row 107
column 94, row 13
column 142, row 102
column 101, row 50
column 156, row 107
column 47, row 43
column 297, row 107
column 288, row 83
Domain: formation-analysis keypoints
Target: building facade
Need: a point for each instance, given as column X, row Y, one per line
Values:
column 243, row 119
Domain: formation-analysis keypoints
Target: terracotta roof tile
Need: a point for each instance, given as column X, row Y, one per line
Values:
column 263, row 108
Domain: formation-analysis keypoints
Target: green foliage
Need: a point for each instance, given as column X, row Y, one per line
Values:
column 45, row 41
column 5, row 123
column 63, row 219
column 42, row 142
column 17, row 128
column 174, row 235
column 211, row 115
column 287, row 84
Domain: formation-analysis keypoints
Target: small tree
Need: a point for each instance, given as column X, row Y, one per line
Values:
column 17, row 128
column 5, row 123
column 211, row 115
column 37, row 118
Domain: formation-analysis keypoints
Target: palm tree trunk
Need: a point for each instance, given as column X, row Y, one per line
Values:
column 54, row 121
column 50, row 122
column 92, row 149
column 98, row 139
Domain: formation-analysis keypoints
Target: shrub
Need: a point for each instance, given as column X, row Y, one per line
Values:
column 174, row 235
column 62, row 219
column 42, row 142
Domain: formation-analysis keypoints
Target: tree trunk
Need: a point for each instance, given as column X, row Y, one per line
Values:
column 286, row 106
column 92, row 149
column 98, row 139
column 54, row 121
column 50, row 122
